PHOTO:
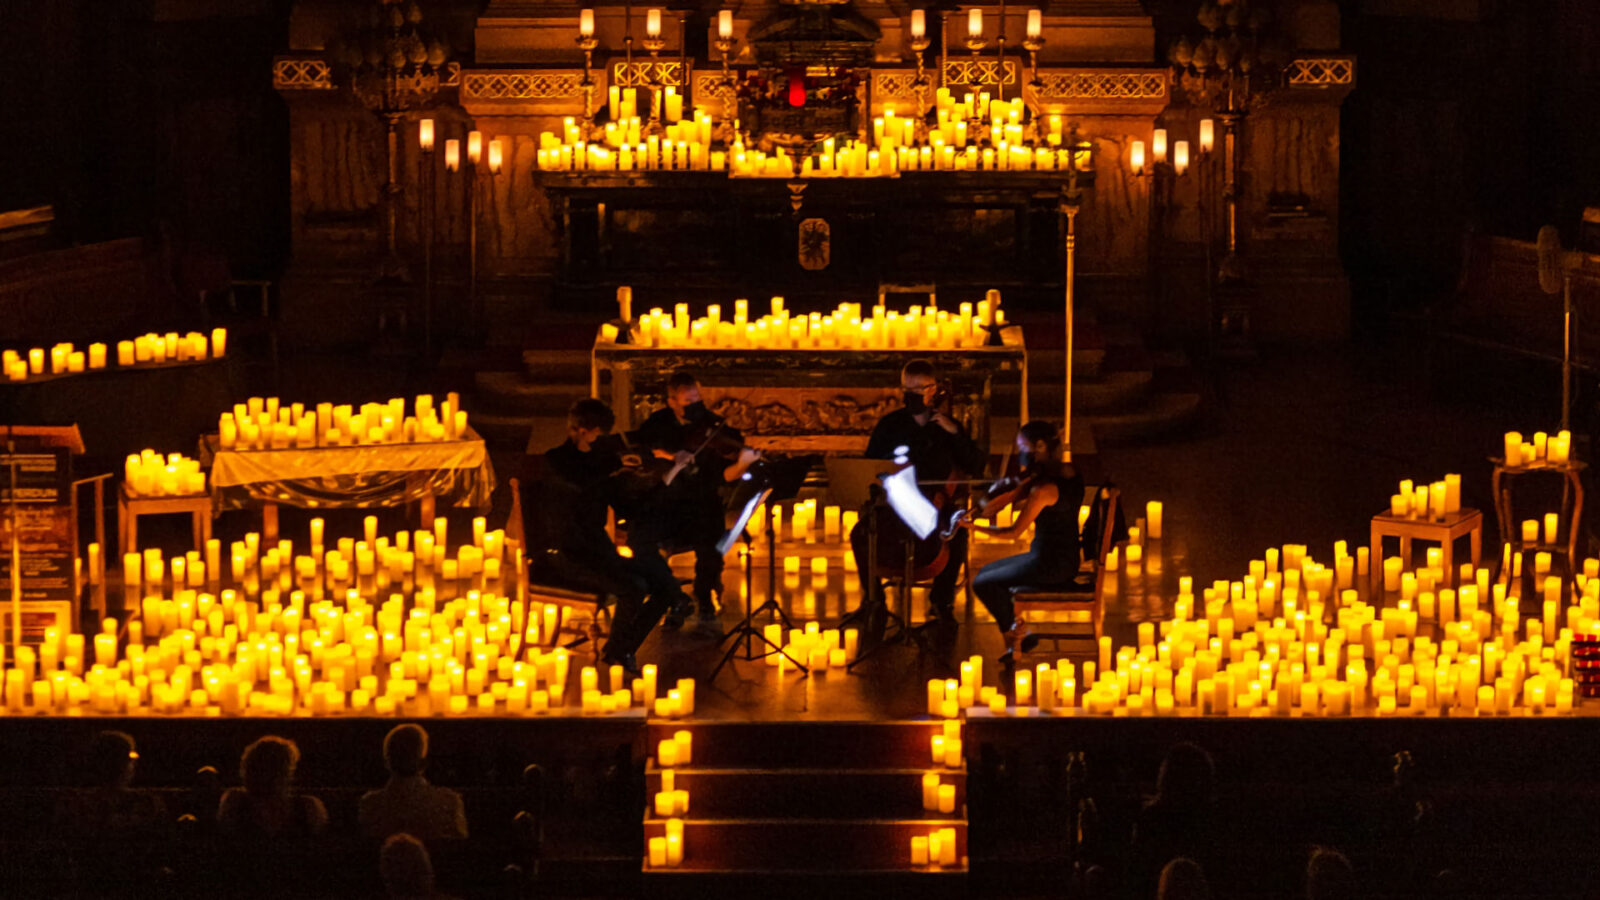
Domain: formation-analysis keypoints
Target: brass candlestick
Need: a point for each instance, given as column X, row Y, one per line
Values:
column 655, row 82
column 976, row 133
column 730, row 109
column 1033, row 44
column 919, row 85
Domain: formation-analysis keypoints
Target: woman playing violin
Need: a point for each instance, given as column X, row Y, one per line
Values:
column 1046, row 495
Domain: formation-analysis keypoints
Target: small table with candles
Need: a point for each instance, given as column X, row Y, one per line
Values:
column 819, row 390
column 1446, row 530
column 131, row 506
column 1571, row 497
column 360, row 476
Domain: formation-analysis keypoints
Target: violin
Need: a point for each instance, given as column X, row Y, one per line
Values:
column 929, row 555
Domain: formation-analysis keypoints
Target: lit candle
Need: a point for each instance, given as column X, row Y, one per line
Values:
column 975, row 23
column 452, row 155
column 725, row 24
column 1035, row 24
column 1158, row 145
column 586, row 22
column 474, row 147
column 919, row 24
column 1180, row 157
column 1136, row 157
column 425, row 135
column 496, row 156
column 652, row 23
column 1208, row 135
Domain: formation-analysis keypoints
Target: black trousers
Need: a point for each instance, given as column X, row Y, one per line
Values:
column 941, row 593
column 994, row 582
column 695, row 527
column 643, row 585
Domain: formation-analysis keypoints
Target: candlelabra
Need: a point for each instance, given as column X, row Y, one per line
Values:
column 587, row 43
column 730, row 111
column 919, row 85
column 656, row 84
column 976, row 133
column 1033, row 44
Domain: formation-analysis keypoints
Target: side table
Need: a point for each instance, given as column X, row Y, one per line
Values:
column 131, row 507
column 1461, row 523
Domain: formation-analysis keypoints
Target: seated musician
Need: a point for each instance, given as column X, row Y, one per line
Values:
column 570, row 544
column 940, row 448
column 1046, row 495
column 690, row 510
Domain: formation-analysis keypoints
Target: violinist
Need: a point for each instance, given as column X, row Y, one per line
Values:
column 939, row 447
column 1046, row 495
column 690, row 508
column 567, row 535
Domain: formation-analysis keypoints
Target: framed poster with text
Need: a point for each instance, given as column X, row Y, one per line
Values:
column 36, row 503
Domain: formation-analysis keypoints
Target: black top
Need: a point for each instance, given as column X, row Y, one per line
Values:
column 1055, row 529
column 934, row 451
column 693, row 491
column 571, row 501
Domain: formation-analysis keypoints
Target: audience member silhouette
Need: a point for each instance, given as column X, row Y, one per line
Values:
column 1179, row 822
column 1329, row 876
column 268, row 805
column 107, row 807
column 1183, row 879
column 408, row 803
column 407, row 869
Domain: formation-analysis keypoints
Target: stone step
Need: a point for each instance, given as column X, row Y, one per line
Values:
column 691, row 883
column 1161, row 414
column 805, row 745
column 819, row 793
column 516, row 392
column 558, row 364
column 835, row 845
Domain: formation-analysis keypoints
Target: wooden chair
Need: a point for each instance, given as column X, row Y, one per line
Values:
column 578, row 615
column 1068, row 612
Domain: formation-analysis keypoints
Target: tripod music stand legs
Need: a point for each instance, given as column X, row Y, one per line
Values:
column 903, row 629
column 746, row 631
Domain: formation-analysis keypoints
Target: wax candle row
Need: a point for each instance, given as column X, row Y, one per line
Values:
column 666, row 851
column 266, row 423
column 846, row 327
column 937, row 848
column 1427, row 501
column 936, row 795
column 148, row 474
column 66, row 358
column 1554, row 449
column 811, row 646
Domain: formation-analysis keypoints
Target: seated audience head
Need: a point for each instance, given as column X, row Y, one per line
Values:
column 268, row 765
column 1186, row 777
column 112, row 758
column 405, row 750
column 406, row 868
column 1183, row 879
column 587, row 419
column 1329, row 876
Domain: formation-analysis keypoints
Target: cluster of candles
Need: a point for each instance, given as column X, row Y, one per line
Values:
column 1295, row 638
column 683, row 146
column 1547, row 449
column 671, row 803
column 847, row 327
column 377, row 626
column 267, row 424
column 66, row 358
column 936, row 848
column 149, row 474
column 817, row 649
column 1427, row 501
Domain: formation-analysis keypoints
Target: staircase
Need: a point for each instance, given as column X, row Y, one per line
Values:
column 512, row 404
column 801, row 809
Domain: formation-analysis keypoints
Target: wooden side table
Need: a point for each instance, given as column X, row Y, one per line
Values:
column 1461, row 523
column 130, row 508
column 1571, row 496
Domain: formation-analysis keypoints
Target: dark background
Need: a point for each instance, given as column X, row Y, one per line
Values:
column 1468, row 115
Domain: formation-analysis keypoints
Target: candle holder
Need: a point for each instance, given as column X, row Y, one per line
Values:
column 587, row 43
column 995, row 332
column 654, row 45
column 920, row 84
column 730, row 111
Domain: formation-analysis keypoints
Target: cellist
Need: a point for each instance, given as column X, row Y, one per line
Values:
column 938, row 446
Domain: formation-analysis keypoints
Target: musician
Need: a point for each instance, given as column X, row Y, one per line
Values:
column 585, row 477
column 1047, row 496
column 939, row 447
column 690, row 510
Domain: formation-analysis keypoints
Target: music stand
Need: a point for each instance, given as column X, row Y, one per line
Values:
column 779, row 480
column 905, row 498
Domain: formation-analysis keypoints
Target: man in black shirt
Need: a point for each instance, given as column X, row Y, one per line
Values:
column 689, row 511
column 567, row 509
column 938, row 446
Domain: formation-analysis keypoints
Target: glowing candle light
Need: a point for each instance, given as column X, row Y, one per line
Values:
column 919, row 24
column 975, row 23
column 425, row 135
column 652, row 23
column 1208, row 135
column 1136, row 157
column 1035, row 24
column 1158, row 145
column 586, row 22
column 725, row 24
column 496, row 156
column 452, row 155
column 1180, row 157
column 474, row 147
